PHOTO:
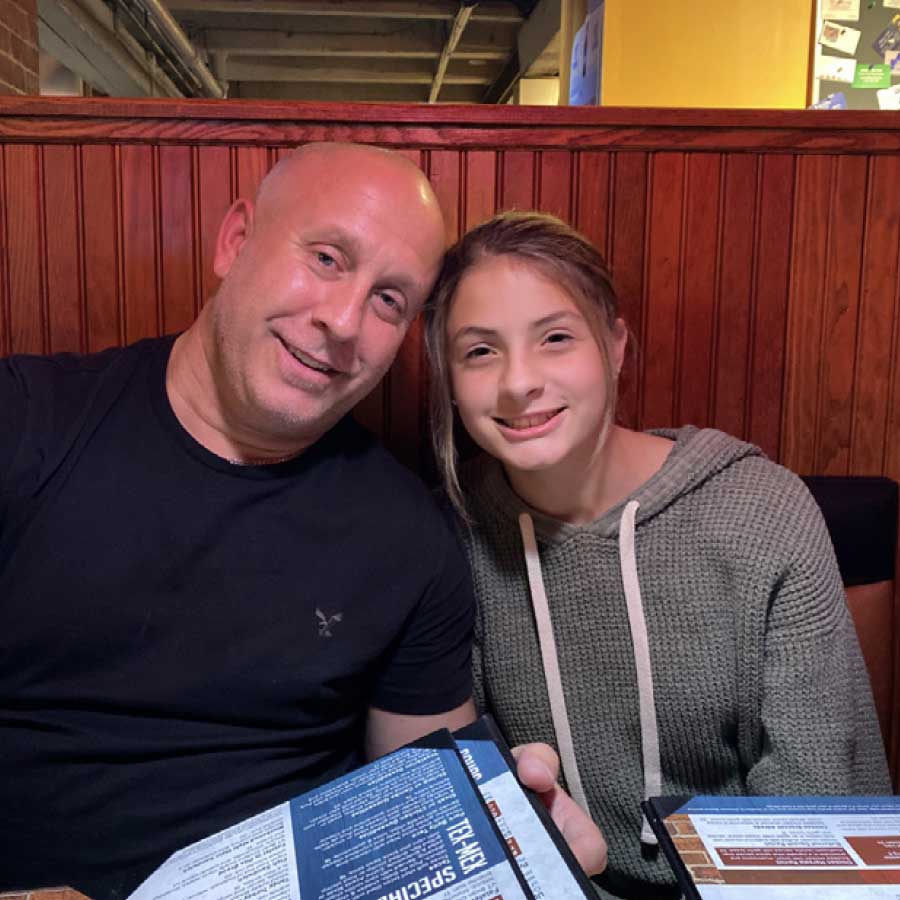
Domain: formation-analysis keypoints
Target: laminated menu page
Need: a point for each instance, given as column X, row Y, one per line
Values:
column 541, row 853
column 781, row 848
column 408, row 826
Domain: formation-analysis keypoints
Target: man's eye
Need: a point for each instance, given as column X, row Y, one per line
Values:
column 325, row 259
column 390, row 306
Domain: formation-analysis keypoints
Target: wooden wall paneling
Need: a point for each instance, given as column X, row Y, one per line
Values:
column 890, row 297
column 772, row 265
column 140, row 244
column 480, row 186
column 444, row 172
column 517, row 182
column 5, row 253
column 737, row 254
column 555, row 183
column 591, row 213
column 27, row 298
column 841, row 311
column 179, row 281
column 104, row 321
column 251, row 166
column 627, row 246
column 811, row 238
column 62, row 248
column 216, row 190
column 700, row 269
column 663, row 292
column 874, row 430
column 405, row 385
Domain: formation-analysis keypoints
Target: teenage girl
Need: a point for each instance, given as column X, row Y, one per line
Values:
column 664, row 607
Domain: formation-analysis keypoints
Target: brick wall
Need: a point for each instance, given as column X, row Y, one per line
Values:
column 18, row 47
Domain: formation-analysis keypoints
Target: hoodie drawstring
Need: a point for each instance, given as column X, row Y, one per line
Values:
column 551, row 664
column 641, row 648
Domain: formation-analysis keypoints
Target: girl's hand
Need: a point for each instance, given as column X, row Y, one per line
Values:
column 538, row 769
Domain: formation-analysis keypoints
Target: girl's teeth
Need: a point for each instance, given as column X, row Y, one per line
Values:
column 529, row 421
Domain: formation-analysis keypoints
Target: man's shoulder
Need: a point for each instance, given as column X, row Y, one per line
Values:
column 358, row 471
column 44, row 377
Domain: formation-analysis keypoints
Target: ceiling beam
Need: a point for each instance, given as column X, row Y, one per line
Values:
column 278, row 43
column 345, row 93
column 491, row 11
column 346, row 71
column 463, row 14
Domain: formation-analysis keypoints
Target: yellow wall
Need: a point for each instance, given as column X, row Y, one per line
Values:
column 716, row 53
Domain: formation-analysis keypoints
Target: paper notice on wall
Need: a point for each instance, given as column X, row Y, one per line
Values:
column 889, row 39
column 839, row 37
column 832, row 101
column 876, row 75
column 889, row 98
column 892, row 4
column 835, row 68
column 841, row 9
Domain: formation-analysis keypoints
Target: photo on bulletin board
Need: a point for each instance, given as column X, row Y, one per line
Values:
column 856, row 57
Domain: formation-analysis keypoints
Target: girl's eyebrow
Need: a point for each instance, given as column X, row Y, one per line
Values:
column 480, row 331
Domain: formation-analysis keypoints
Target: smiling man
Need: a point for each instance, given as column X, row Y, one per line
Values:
column 218, row 591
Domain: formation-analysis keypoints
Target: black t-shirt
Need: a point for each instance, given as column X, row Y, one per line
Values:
column 183, row 641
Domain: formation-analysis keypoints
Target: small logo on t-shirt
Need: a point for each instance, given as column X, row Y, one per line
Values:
column 325, row 622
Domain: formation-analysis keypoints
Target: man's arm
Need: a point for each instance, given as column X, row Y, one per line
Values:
column 387, row 731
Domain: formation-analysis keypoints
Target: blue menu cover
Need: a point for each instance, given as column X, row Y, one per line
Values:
column 408, row 826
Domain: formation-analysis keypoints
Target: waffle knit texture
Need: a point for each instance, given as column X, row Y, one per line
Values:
column 759, row 682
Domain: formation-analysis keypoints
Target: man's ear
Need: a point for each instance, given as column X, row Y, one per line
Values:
column 234, row 230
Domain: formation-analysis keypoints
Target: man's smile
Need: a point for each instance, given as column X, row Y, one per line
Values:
column 310, row 362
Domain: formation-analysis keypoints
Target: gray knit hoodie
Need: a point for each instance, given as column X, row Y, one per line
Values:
column 756, row 681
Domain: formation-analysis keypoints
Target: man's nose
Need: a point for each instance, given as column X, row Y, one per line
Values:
column 340, row 312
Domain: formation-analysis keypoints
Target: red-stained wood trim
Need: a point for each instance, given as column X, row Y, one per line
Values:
column 809, row 276
column 840, row 313
column 480, row 191
column 445, row 174
column 769, row 323
column 177, row 238
column 139, row 243
column 517, row 182
column 261, row 124
column 217, row 191
column 27, row 317
column 663, row 255
column 5, row 249
column 629, row 204
column 555, row 183
column 592, row 199
column 101, row 247
column 62, row 249
column 739, row 211
column 698, row 288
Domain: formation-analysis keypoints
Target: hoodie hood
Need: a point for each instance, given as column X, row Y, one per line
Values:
column 699, row 455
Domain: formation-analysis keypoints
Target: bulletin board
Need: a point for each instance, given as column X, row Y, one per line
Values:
column 857, row 54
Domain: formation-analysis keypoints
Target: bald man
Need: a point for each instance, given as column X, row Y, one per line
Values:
column 218, row 591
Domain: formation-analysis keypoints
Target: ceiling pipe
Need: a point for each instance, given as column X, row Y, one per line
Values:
column 188, row 53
